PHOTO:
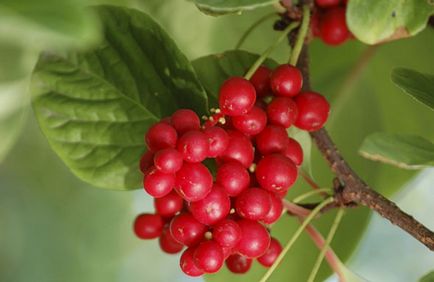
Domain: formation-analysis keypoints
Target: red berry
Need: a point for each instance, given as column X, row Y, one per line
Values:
column 272, row 253
column 227, row 233
column 327, row 3
column 239, row 149
column 169, row 205
column 286, row 80
column 293, row 151
column 185, row 229
column 227, row 252
column 237, row 96
column 168, row 244
column 193, row 146
column 315, row 22
column 187, row 264
column 193, row 181
column 255, row 239
column 238, row 263
column 261, row 81
column 233, row 177
column 253, row 204
column 313, row 111
column 218, row 141
column 148, row 226
column 333, row 26
column 251, row 123
column 276, row 173
column 275, row 211
column 209, row 256
column 272, row 139
column 146, row 161
column 161, row 136
column 158, row 184
column 184, row 120
column 282, row 111
column 213, row 208
column 168, row 160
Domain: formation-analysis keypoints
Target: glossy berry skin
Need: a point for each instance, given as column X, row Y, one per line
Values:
column 261, row 81
column 161, row 136
column 276, row 209
column 186, row 230
column 184, row 120
column 327, row 3
column 282, row 111
column 272, row 139
column 251, row 123
column 168, row 160
column 167, row 243
column 213, row 208
column 239, row 149
column 193, row 146
column 209, row 256
column 227, row 233
column 286, row 80
column 186, row 262
column 276, row 173
column 169, row 205
column 237, row 96
column 293, row 151
column 313, row 111
column 333, row 26
column 253, row 203
column 233, row 177
column 238, row 264
column 146, row 161
column 193, row 181
column 148, row 226
column 158, row 184
column 271, row 254
column 255, row 239
column 218, row 141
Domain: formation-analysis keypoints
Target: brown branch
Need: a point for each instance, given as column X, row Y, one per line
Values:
column 353, row 189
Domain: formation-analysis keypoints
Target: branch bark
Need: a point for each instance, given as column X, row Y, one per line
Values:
column 353, row 189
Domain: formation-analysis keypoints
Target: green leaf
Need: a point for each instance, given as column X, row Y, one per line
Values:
column 429, row 277
column 221, row 7
column 403, row 151
column 384, row 20
column 418, row 85
column 95, row 107
column 305, row 141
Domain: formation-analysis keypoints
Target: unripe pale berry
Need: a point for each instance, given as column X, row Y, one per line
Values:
column 237, row 96
column 239, row 149
column 186, row 262
column 185, row 229
column 148, row 226
column 184, row 120
column 218, row 140
column 282, row 111
column 271, row 254
column 168, row 160
column 193, row 146
column 286, row 80
column 261, row 81
column 313, row 111
column 255, row 239
column 213, row 208
column 161, row 136
column 238, row 264
column 209, row 256
column 252, row 122
column 233, row 177
column 158, row 184
column 227, row 233
column 253, row 203
column 169, row 205
column 193, row 181
column 276, row 173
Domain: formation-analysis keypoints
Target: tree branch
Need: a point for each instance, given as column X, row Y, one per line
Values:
column 353, row 189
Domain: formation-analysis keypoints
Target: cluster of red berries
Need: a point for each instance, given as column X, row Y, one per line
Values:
column 329, row 21
column 225, row 217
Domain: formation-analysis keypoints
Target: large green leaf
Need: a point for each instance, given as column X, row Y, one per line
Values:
column 401, row 150
column 418, row 85
column 220, row 7
column 429, row 277
column 95, row 107
column 384, row 20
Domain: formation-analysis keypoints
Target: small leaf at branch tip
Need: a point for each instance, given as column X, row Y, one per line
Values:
column 382, row 159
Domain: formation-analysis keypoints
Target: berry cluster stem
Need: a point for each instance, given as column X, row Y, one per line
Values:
column 304, row 28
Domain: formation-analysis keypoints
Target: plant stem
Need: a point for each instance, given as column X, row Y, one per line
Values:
column 300, row 36
column 308, row 179
column 297, row 234
column 267, row 52
column 327, row 242
column 252, row 28
column 301, row 197
column 295, row 209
